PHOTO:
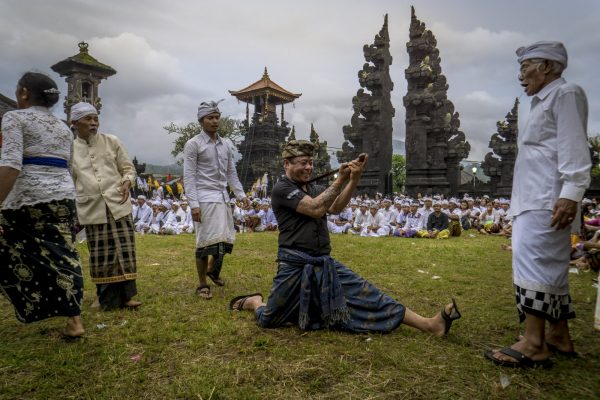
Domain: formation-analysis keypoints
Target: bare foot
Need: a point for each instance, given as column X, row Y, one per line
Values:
column 534, row 353
column 74, row 328
column 95, row 303
column 133, row 304
column 248, row 303
column 438, row 324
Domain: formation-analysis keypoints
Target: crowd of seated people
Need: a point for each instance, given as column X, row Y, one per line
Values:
column 428, row 217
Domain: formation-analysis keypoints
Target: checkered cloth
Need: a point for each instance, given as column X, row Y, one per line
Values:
column 552, row 307
column 112, row 250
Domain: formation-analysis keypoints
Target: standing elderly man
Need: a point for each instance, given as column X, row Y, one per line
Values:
column 207, row 169
column 552, row 172
column 103, row 174
column 311, row 289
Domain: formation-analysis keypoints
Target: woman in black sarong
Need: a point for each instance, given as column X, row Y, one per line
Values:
column 40, row 269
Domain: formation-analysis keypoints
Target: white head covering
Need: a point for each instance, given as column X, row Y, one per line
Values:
column 166, row 204
column 82, row 109
column 547, row 50
column 209, row 107
column 141, row 197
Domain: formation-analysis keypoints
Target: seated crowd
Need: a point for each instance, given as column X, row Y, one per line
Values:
column 400, row 216
column 428, row 217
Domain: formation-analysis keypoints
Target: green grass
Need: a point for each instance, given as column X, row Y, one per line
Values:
column 195, row 349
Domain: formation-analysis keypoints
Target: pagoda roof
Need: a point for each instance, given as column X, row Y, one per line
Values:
column 263, row 86
column 6, row 105
column 83, row 61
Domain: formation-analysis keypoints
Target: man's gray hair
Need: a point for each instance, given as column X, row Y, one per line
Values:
column 557, row 68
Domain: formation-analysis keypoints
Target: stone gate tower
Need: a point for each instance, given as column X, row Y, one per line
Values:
column 434, row 144
column 499, row 164
column 83, row 75
column 370, row 129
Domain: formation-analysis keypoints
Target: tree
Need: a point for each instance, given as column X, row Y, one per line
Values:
column 595, row 153
column 228, row 127
column 398, row 172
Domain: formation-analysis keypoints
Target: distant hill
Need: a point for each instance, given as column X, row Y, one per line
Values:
column 173, row 169
column 398, row 147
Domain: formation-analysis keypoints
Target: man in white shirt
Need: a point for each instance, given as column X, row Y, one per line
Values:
column 142, row 214
column 360, row 219
column 427, row 209
column 173, row 221
column 414, row 222
column 188, row 224
column 375, row 223
column 208, row 168
column 552, row 172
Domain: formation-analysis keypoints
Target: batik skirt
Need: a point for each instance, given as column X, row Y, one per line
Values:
column 40, row 269
column 112, row 260
column 370, row 310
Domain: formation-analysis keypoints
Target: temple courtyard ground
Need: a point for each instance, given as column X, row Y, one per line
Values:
column 179, row 346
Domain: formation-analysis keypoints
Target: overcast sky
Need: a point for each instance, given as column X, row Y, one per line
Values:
column 171, row 55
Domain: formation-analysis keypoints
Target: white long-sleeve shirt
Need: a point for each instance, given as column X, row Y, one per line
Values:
column 554, row 159
column 208, row 166
column 142, row 215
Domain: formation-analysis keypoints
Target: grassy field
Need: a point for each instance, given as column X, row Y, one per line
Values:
column 179, row 346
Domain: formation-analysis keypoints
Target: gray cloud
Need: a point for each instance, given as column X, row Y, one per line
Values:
column 171, row 55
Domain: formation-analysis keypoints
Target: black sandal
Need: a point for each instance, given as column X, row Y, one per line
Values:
column 242, row 301
column 448, row 318
column 216, row 280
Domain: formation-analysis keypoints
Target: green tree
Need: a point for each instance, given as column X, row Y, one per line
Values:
column 228, row 127
column 398, row 172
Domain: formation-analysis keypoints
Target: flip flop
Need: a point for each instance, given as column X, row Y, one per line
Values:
column 240, row 305
column 522, row 361
column 566, row 354
column 216, row 280
column 448, row 318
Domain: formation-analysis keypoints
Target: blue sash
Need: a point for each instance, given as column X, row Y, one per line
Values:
column 48, row 161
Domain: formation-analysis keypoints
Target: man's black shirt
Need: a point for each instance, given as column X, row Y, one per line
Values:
column 299, row 231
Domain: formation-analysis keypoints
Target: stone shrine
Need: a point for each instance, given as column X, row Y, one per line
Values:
column 499, row 164
column 370, row 129
column 83, row 75
column 322, row 160
column 434, row 144
column 264, row 133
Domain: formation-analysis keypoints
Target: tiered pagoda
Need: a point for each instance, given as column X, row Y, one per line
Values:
column 434, row 144
column 322, row 160
column 370, row 129
column 83, row 75
column 265, row 133
column 499, row 164
column 6, row 105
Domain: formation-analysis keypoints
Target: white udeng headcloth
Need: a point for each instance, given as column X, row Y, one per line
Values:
column 554, row 51
column 208, row 107
column 82, row 109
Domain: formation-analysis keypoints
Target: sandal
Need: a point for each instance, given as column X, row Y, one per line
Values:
column 521, row 360
column 448, row 318
column 217, row 280
column 203, row 291
column 242, row 301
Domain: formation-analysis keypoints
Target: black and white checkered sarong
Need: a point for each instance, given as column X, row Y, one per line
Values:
column 552, row 307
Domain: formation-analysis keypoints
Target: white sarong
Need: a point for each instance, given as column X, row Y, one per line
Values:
column 540, row 253
column 216, row 225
